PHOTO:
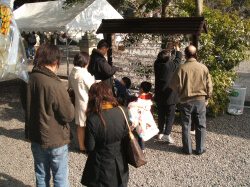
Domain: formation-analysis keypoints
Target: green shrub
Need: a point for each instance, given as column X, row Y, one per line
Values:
column 222, row 49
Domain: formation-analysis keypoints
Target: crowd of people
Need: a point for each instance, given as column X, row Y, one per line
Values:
column 101, row 125
column 32, row 41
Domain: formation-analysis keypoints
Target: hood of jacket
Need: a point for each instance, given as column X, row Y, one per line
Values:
column 77, row 72
column 95, row 52
column 45, row 71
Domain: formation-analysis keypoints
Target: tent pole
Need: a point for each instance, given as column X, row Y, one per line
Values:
column 67, row 56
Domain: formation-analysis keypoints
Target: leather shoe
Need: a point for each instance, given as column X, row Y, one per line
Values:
column 200, row 153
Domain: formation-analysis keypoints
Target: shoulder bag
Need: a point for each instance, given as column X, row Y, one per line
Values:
column 134, row 154
column 71, row 95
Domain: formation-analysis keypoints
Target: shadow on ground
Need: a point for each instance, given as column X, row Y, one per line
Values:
column 10, row 97
column 163, row 146
column 224, row 124
column 8, row 181
column 17, row 134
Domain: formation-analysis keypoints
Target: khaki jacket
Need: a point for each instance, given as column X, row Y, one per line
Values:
column 48, row 109
column 192, row 81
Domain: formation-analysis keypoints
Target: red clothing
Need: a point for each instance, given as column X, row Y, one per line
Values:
column 147, row 96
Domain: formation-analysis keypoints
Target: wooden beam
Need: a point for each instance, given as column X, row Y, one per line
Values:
column 108, row 38
column 195, row 41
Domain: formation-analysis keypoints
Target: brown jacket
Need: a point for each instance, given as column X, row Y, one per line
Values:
column 192, row 81
column 48, row 109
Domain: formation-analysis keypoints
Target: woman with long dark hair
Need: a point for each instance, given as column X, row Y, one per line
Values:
column 105, row 130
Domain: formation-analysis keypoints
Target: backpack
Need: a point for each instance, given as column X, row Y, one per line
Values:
column 32, row 39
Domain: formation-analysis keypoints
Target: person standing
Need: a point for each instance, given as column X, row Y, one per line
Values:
column 48, row 111
column 165, row 98
column 37, row 42
column 106, row 128
column 31, row 40
column 193, row 84
column 81, row 80
column 98, row 65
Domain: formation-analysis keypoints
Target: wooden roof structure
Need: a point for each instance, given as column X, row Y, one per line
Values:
column 179, row 25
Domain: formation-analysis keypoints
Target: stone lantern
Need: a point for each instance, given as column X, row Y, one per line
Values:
column 88, row 42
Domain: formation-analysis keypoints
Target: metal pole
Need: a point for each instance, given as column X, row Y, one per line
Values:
column 67, row 55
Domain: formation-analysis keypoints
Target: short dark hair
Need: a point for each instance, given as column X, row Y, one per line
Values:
column 127, row 82
column 162, row 57
column 102, row 43
column 47, row 55
column 189, row 53
column 146, row 86
column 81, row 59
column 124, row 99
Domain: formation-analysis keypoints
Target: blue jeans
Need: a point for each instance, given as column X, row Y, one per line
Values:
column 55, row 159
column 30, row 47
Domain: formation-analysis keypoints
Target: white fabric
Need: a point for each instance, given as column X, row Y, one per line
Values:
column 80, row 80
column 8, row 3
column 37, row 40
column 50, row 16
column 142, row 119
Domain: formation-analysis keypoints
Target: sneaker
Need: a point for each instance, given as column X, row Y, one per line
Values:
column 160, row 136
column 168, row 139
column 192, row 132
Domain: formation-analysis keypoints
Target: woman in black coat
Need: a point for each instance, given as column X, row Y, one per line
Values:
column 105, row 130
column 165, row 98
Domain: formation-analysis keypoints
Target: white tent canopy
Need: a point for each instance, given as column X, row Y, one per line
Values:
column 50, row 16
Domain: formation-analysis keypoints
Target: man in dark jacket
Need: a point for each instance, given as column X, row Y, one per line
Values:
column 98, row 65
column 165, row 98
column 48, row 111
column 31, row 40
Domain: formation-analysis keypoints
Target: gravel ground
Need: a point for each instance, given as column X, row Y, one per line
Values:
column 226, row 162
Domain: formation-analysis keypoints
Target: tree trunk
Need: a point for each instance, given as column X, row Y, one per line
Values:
column 165, row 4
column 199, row 7
column 116, row 3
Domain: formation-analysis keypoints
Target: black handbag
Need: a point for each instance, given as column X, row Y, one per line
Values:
column 71, row 95
column 133, row 151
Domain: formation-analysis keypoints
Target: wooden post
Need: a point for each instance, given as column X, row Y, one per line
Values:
column 108, row 38
column 195, row 41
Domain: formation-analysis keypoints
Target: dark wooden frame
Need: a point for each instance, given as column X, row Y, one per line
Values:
column 180, row 25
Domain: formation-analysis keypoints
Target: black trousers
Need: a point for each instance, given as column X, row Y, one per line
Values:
column 166, row 113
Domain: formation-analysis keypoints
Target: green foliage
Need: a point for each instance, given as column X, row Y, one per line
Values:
column 70, row 3
column 222, row 49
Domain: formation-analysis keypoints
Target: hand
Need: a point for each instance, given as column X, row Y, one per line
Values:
column 206, row 102
column 177, row 47
column 114, row 76
column 170, row 46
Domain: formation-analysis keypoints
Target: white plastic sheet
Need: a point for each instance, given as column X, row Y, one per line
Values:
column 13, row 61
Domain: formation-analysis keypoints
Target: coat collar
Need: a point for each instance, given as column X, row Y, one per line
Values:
column 45, row 71
column 191, row 60
column 96, row 52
